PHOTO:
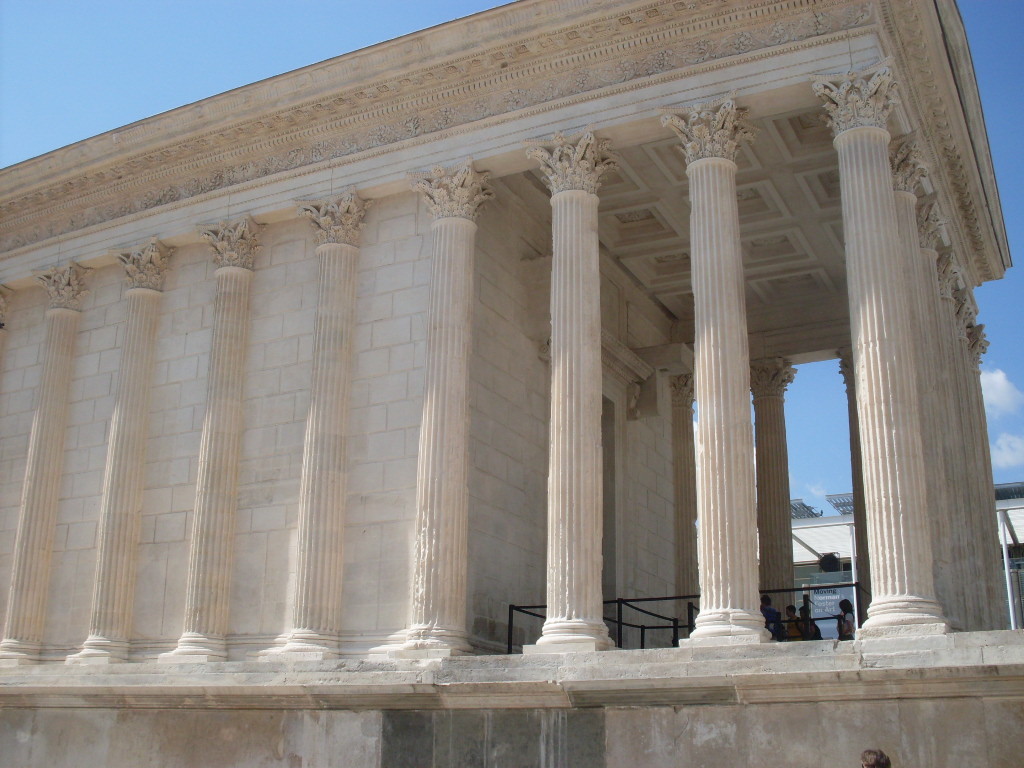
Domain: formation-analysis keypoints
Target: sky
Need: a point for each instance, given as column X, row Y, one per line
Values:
column 70, row 70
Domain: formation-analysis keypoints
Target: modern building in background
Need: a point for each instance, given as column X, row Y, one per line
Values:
column 301, row 386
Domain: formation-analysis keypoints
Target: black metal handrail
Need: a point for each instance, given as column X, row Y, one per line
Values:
column 674, row 622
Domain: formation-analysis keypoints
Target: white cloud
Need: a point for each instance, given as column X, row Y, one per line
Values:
column 1008, row 451
column 1001, row 395
column 817, row 489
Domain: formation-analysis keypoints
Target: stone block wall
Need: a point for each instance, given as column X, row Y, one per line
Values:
column 509, row 411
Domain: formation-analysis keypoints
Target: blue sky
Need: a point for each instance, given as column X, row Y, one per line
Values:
column 70, row 70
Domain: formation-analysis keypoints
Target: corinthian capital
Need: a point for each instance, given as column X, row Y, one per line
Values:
column 339, row 220
column 948, row 274
column 977, row 343
column 846, row 369
column 146, row 265
column 235, row 244
column 454, row 192
column 575, row 162
column 64, row 285
column 710, row 130
column 907, row 166
column 770, row 377
column 858, row 99
column 930, row 225
column 682, row 390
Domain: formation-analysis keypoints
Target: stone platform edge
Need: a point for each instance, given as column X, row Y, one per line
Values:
column 981, row 664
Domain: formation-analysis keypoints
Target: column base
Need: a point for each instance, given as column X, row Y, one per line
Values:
column 194, row 648
column 301, row 645
column 728, row 626
column 899, row 615
column 15, row 653
column 587, row 635
column 425, row 642
column 100, row 650
column 577, row 646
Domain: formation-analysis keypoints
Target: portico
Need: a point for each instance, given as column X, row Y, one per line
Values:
column 444, row 357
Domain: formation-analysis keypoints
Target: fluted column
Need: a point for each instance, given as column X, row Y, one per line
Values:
column 438, row 617
column 210, row 547
column 33, row 543
column 729, row 605
column 572, row 169
column 985, row 554
column 121, row 504
column 858, row 107
column 860, row 519
column 684, row 481
column 768, row 382
column 316, row 600
column 908, row 170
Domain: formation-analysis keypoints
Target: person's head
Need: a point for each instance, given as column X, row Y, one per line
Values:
column 875, row 758
column 765, row 600
column 791, row 611
column 846, row 606
column 805, row 612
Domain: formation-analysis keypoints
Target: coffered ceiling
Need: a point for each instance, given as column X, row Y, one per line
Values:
column 790, row 223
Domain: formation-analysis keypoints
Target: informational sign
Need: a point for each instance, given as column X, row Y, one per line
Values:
column 824, row 601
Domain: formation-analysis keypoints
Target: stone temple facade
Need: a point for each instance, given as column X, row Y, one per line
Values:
column 304, row 384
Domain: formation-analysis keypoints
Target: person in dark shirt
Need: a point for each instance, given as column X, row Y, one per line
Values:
column 772, row 619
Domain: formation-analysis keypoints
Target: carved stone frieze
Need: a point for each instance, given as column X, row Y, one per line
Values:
column 454, row 192
column 711, row 130
column 681, row 387
column 406, row 107
column 858, row 99
column 235, row 244
column 338, row 220
column 576, row 162
column 64, row 285
column 146, row 265
column 770, row 377
column 908, row 168
column 930, row 225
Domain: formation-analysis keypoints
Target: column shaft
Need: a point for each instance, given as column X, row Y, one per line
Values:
column 33, row 543
column 769, row 379
column 442, row 491
column 121, row 504
column 988, row 598
column 574, row 596
column 684, row 480
column 919, row 282
column 316, row 604
column 437, row 621
column 887, row 398
column 211, row 544
column 860, row 521
column 725, row 480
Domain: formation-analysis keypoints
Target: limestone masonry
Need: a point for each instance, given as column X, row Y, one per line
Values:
column 301, row 386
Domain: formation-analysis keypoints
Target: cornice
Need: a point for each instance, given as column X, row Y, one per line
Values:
column 976, row 226
column 526, row 70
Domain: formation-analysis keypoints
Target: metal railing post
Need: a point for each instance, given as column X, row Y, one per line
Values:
column 618, row 625
column 511, row 620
